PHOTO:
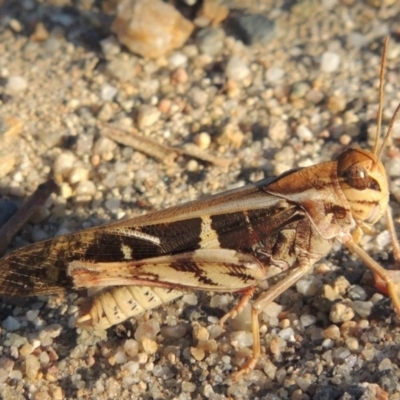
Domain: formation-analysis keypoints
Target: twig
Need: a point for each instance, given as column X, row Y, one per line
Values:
column 18, row 220
column 160, row 152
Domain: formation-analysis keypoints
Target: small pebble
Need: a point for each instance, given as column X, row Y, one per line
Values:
column 190, row 298
column 11, row 324
column 203, row 140
column 362, row 308
column 272, row 310
column 309, row 285
column 341, row 312
column 110, row 46
column 357, row 292
column 274, row 74
column 85, row 188
column 174, row 332
column 32, row 315
column 103, row 147
column 307, row 320
column 252, row 28
column 147, row 116
column 6, row 366
column 32, row 366
column 131, row 347
column 150, row 329
column 113, row 204
column 241, row 339
column 330, row 62
column 236, row 69
column 78, row 174
column 210, row 40
column 120, row 357
column 385, row 364
column 332, row 332
column 177, row 59
column 199, row 332
column 197, row 353
column 16, row 83
column 188, row 387
column 287, row 334
column 108, row 92
column 64, row 163
column 132, row 367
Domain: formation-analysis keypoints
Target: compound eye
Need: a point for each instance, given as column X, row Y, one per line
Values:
column 356, row 176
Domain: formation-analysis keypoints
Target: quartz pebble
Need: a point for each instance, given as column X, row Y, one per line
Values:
column 16, row 83
column 274, row 74
column 309, row 285
column 131, row 347
column 236, row 69
column 147, row 116
column 149, row 329
column 330, row 62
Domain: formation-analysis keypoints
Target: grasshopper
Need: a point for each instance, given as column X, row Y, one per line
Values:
column 229, row 242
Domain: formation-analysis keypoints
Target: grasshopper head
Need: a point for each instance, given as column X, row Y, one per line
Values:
column 362, row 178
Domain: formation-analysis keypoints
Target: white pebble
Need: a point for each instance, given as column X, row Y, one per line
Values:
column 147, row 116
column 190, row 299
column 307, row 320
column 241, row 339
column 131, row 366
column 78, row 174
column 108, row 92
column 177, row 59
column 287, row 334
column 64, row 163
column 274, row 74
column 236, row 69
column 304, row 133
column 308, row 286
column 383, row 238
column 131, row 347
column 16, row 83
column 104, row 146
column 272, row 310
column 120, row 357
column 86, row 188
column 330, row 61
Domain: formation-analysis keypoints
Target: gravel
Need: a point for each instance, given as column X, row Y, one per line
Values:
column 305, row 88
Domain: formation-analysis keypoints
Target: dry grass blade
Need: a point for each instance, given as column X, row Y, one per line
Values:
column 130, row 137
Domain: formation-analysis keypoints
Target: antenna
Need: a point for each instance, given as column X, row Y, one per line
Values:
column 380, row 109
